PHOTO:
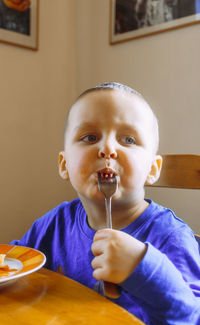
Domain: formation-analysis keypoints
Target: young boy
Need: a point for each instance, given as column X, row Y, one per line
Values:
column 150, row 253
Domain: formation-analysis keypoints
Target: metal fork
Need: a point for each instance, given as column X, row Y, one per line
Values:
column 108, row 186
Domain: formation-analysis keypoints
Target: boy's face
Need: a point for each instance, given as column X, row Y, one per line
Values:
column 114, row 130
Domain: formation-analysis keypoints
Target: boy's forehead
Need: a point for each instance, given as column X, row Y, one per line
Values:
column 109, row 101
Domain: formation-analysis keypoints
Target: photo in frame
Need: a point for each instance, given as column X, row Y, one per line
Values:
column 19, row 23
column 132, row 19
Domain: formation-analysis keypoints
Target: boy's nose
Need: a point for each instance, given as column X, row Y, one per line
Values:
column 107, row 151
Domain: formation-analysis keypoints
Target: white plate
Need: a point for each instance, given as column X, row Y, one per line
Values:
column 21, row 261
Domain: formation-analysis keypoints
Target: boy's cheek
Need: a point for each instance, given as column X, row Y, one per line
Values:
column 81, row 160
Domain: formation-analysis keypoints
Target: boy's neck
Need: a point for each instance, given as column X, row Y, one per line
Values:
column 121, row 217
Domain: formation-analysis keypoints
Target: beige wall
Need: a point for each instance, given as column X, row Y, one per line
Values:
column 165, row 68
column 37, row 88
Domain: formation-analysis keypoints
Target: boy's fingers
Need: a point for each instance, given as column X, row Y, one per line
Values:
column 101, row 273
column 97, row 248
column 97, row 274
column 102, row 234
column 97, row 262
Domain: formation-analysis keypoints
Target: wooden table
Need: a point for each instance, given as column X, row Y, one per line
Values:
column 48, row 298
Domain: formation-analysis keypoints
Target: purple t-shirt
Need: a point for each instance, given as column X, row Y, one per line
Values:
column 163, row 289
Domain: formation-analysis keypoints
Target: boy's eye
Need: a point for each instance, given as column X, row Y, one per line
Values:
column 128, row 140
column 90, row 138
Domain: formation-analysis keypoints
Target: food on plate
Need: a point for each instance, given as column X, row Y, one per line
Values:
column 4, row 269
column 2, row 258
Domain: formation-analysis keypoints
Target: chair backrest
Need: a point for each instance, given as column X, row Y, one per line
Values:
column 198, row 239
column 180, row 171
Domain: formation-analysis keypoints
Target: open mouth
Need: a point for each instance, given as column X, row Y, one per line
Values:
column 106, row 173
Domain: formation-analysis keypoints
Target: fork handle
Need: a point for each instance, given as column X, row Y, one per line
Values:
column 112, row 290
column 108, row 212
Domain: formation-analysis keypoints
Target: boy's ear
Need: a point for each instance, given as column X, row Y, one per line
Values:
column 155, row 170
column 63, row 172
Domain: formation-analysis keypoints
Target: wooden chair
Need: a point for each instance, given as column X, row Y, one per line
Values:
column 180, row 171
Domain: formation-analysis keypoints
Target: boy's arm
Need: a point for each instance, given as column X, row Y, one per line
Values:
column 29, row 238
column 166, row 295
column 154, row 279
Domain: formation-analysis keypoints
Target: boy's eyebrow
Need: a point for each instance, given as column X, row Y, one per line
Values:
column 125, row 126
column 128, row 127
column 84, row 125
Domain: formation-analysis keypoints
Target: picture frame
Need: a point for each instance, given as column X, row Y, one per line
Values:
column 133, row 19
column 19, row 26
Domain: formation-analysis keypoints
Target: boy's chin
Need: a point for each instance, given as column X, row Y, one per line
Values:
column 95, row 196
column 129, row 199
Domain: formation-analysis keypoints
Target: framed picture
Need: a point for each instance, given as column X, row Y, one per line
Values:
column 19, row 23
column 132, row 19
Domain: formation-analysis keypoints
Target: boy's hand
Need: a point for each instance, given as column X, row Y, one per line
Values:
column 116, row 255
